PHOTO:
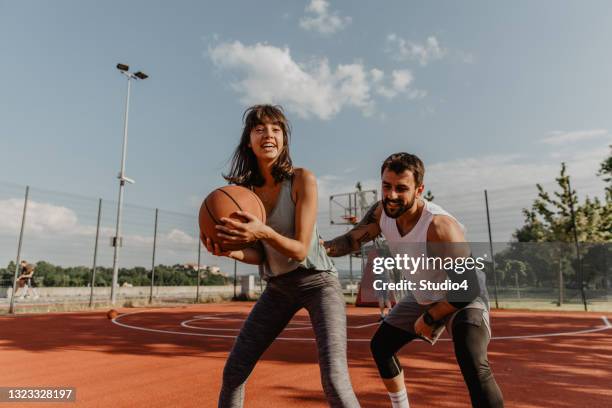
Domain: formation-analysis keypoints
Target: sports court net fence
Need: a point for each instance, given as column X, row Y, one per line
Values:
column 523, row 274
column 160, row 258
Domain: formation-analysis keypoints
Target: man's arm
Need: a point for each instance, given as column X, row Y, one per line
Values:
column 366, row 230
column 449, row 240
column 445, row 238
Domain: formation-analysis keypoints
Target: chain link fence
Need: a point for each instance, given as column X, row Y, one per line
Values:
column 70, row 240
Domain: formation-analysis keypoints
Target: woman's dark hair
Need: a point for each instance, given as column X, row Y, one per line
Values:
column 244, row 170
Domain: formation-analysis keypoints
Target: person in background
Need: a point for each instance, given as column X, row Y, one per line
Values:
column 26, row 279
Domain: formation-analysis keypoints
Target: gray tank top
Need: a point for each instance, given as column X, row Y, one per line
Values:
column 282, row 220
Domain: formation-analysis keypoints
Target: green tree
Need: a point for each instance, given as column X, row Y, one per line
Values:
column 550, row 220
column 7, row 275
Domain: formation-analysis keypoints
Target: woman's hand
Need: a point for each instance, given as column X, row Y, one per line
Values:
column 216, row 250
column 236, row 232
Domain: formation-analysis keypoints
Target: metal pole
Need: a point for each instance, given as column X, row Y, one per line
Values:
column 197, row 299
column 153, row 257
column 516, row 280
column 235, row 278
column 491, row 249
column 23, row 220
column 580, row 270
column 116, row 240
column 560, row 302
column 95, row 257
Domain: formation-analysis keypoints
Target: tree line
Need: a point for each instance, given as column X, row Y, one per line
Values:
column 48, row 275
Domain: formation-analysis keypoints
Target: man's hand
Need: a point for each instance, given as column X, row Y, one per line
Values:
column 421, row 328
column 322, row 243
column 429, row 333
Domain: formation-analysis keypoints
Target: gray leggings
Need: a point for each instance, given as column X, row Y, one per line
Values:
column 318, row 292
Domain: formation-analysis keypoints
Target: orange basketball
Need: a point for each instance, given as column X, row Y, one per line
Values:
column 225, row 202
column 111, row 314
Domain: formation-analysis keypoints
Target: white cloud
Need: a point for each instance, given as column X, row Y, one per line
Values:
column 377, row 74
column 41, row 218
column 501, row 172
column 404, row 50
column 559, row 137
column 322, row 20
column 50, row 221
column 465, row 57
column 180, row 237
column 399, row 82
column 458, row 185
column 271, row 75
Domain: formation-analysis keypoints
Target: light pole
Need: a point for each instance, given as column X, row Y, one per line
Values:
column 116, row 242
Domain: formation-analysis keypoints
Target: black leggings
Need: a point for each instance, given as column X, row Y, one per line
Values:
column 470, row 342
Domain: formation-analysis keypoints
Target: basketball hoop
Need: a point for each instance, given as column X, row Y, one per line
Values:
column 349, row 208
column 351, row 219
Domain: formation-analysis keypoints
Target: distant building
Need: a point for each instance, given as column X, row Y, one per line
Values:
column 213, row 270
column 193, row 266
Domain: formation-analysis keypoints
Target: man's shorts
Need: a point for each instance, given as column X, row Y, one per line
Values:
column 406, row 312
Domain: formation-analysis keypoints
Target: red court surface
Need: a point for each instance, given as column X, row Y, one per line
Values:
column 174, row 357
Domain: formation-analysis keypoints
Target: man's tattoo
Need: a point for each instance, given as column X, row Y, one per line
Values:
column 370, row 217
column 339, row 246
column 352, row 240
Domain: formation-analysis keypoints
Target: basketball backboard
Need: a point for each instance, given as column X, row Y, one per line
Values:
column 350, row 208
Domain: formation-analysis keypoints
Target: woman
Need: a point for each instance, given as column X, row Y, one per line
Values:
column 298, row 271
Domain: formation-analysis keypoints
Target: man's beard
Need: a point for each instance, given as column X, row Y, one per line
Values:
column 399, row 210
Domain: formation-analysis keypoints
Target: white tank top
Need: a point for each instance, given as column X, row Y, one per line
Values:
column 414, row 243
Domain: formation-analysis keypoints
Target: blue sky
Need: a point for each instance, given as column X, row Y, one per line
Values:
column 489, row 95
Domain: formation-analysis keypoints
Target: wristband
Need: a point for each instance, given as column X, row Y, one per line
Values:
column 429, row 320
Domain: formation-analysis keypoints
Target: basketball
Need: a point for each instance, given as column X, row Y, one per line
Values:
column 225, row 202
column 111, row 314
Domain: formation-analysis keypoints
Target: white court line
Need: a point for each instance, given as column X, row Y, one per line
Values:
column 606, row 326
column 363, row 325
column 305, row 326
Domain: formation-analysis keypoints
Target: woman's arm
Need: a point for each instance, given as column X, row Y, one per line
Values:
column 253, row 255
column 305, row 187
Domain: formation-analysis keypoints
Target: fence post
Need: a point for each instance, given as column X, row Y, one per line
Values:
column 153, row 257
column 197, row 299
column 491, row 249
column 235, row 279
column 581, row 280
column 95, row 257
column 23, row 220
column 560, row 302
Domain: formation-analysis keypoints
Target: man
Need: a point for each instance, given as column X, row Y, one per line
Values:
column 404, row 218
